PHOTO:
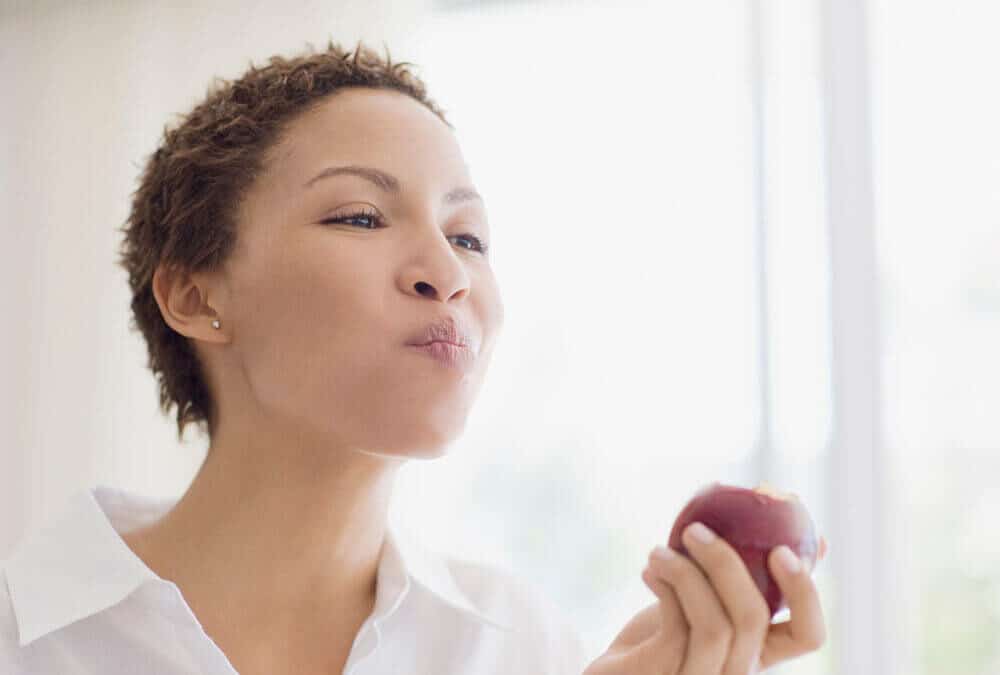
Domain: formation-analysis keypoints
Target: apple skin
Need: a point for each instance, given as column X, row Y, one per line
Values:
column 753, row 523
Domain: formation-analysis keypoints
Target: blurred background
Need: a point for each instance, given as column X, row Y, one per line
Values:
column 790, row 209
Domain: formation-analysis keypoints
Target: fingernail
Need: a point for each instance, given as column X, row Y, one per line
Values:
column 788, row 560
column 663, row 553
column 701, row 533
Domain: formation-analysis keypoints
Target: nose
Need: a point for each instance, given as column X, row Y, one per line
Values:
column 437, row 272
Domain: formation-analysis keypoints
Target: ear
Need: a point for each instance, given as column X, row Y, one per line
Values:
column 183, row 299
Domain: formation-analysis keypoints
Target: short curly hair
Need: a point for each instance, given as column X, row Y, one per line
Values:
column 184, row 211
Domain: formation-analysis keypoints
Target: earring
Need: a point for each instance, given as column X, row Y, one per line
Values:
column 215, row 323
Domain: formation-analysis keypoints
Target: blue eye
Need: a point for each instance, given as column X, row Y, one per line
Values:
column 377, row 221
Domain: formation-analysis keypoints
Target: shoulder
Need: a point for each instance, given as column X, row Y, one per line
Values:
column 9, row 647
column 500, row 591
column 534, row 615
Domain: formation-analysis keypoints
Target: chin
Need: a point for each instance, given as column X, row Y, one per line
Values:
column 408, row 449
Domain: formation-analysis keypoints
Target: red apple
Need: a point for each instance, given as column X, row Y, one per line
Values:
column 753, row 522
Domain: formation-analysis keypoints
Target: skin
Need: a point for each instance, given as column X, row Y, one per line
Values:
column 710, row 618
column 320, row 401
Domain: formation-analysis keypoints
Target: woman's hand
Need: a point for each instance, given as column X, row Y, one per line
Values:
column 711, row 619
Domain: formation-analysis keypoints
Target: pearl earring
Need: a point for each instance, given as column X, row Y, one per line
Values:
column 215, row 323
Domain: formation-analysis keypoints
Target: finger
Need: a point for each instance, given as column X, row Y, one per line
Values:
column 672, row 621
column 669, row 641
column 823, row 546
column 710, row 631
column 743, row 602
column 805, row 631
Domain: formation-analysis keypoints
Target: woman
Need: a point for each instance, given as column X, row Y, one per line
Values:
column 309, row 261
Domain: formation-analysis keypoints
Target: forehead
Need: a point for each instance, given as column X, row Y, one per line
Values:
column 382, row 128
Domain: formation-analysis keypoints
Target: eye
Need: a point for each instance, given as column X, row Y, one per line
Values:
column 376, row 220
column 363, row 214
column 483, row 246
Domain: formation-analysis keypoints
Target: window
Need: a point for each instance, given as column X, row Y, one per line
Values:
column 654, row 178
column 938, row 145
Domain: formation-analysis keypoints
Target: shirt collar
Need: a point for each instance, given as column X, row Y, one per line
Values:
column 76, row 565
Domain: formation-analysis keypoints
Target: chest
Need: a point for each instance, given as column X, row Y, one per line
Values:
column 315, row 648
column 287, row 659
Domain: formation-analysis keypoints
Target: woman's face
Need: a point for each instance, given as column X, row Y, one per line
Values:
column 319, row 314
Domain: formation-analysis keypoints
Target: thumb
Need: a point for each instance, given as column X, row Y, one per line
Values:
column 805, row 631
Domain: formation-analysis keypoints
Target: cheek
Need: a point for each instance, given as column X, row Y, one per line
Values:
column 322, row 347
column 304, row 328
column 489, row 310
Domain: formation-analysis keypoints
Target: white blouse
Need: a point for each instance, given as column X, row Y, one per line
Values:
column 75, row 600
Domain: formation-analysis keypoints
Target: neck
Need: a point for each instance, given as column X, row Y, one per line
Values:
column 281, row 538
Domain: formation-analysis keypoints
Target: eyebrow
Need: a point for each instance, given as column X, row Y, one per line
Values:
column 388, row 182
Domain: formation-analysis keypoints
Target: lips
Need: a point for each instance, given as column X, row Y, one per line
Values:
column 459, row 358
column 446, row 330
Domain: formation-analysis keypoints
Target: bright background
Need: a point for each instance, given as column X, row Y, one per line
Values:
column 788, row 209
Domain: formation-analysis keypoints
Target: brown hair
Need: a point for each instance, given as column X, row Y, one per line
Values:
column 184, row 212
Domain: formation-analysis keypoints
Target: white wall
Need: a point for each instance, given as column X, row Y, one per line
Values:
column 88, row 88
